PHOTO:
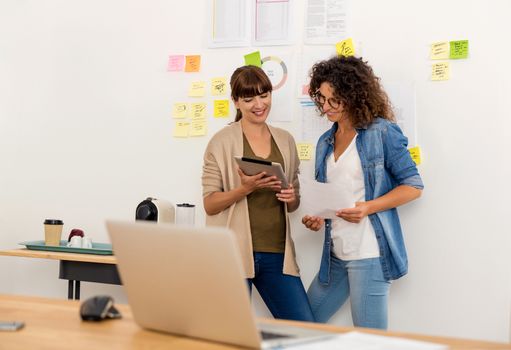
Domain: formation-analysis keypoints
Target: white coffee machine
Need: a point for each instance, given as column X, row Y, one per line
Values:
column 153, row 209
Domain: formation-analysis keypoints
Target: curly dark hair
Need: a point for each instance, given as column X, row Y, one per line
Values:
column 355, row 85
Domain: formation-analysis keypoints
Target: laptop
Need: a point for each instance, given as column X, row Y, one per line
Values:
column 189, row 281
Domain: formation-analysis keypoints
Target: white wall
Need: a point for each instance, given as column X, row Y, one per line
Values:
column 85, row 135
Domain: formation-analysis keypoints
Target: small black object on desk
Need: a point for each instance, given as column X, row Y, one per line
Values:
column 99, row 308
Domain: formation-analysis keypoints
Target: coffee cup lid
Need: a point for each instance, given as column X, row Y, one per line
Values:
column 186, row 205
column 53, row 222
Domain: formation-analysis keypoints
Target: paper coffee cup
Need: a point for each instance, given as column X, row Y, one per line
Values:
column 52, row 232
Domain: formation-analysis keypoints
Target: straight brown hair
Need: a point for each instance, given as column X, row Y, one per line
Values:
column 248, row 81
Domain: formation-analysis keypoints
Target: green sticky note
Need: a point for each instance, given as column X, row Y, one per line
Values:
column 253, row 59
column 458, row 49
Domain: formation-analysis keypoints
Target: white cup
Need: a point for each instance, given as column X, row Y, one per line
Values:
column 75, row 242
column 87, row 242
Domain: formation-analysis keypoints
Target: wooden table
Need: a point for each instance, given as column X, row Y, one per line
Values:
column 56, row 324
column 76, row 267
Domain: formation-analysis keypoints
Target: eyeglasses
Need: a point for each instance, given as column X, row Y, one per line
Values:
column 320, row 101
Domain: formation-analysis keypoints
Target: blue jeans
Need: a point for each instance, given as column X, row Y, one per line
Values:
column 284, row 295
column 361, row 280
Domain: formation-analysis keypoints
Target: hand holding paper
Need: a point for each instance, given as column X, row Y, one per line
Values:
column 354, row 215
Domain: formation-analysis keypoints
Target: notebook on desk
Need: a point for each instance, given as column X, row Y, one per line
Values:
column 189, row 281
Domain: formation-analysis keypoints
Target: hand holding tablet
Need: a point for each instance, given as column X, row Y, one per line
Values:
column 252, row 166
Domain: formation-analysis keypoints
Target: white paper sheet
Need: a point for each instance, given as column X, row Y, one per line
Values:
column 322, row 199
column 363, row 341
column 229, row 23
column 326, row 21
column 271, row 22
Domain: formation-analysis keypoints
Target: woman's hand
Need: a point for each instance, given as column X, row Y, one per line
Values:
column 356, row 214
column 313, row 223
column 287, row 195
column 259, row 181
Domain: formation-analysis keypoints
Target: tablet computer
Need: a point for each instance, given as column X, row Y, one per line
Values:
column 252, row 166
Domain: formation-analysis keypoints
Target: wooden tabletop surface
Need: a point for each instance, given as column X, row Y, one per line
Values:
column 42, row 254
column 55, row 324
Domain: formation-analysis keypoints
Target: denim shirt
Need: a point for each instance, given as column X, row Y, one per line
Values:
column 386, row 164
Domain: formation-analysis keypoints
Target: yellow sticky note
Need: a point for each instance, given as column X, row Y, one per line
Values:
column 440, row 71
column 197, row 89
column 440, row 50
column 218, row 86
column 415, row 152
column 198, row 128
column 179, row 110
column 181, row 129
column 192, row 63
column 198, row 110
column 345, row 48
column 304, row 151
column 221, row 109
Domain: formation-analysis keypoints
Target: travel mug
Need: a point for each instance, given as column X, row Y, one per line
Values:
column 185, row 214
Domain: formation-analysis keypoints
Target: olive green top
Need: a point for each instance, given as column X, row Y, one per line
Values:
column 267, row 214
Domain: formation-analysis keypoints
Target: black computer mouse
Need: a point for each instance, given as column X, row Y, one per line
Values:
column 99, row 308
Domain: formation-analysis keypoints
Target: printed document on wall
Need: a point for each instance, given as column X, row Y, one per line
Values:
column 313, row 124
column 272, row 22
column 229, row 24
column 326, row 21
column 402, row 97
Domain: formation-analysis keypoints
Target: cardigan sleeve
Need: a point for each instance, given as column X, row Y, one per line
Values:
column 211, row 173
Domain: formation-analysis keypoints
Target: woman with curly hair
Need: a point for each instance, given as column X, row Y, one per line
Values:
column 366, row 153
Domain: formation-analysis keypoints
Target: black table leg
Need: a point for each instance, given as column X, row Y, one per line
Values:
column 70, row 284
column 77, row 290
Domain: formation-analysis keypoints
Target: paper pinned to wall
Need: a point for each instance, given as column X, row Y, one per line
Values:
column 402, row 97
column 272, row 22
column 192, row 63
column 439, row 50
column 218, row 86
column 345, row 48
column 197, row 89
column 440, row 71
column 198, row 128
column 277, row 68
column 415, row 152
column 198, row 110
column 179, row 110
column 253, row 59
column 313, row 125
column 458, row 49
column 176, row 63
column 181, row 129
column 326, row 21
column 221, row 108
column 304, row 151
column 229, row 23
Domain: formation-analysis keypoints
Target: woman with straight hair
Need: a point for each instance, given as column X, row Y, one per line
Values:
column 256, row 207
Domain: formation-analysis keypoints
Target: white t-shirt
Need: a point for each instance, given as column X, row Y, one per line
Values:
column 351, row 241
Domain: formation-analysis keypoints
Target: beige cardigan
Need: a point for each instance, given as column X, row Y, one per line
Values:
column 219, row 173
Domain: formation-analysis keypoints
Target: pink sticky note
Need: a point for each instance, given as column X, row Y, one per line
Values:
column 176, row 63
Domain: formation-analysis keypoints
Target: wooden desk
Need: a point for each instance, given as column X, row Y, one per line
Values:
column 56, row 324
column 76, row 267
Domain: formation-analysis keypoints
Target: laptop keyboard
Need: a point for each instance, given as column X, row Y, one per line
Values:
column 268, row 335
